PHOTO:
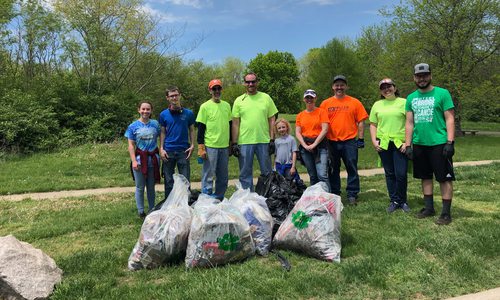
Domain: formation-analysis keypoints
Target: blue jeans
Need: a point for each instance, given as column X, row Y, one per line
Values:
column 247, row 153
column 395, row 167
column 216, row 164
column 149, row 184
column 318, row 171
column 348, row 151
column 175, row 158
column 284, row 170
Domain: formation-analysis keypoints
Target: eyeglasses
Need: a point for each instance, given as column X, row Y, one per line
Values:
column 250, row 81
column 216, row 89
column 173, row 96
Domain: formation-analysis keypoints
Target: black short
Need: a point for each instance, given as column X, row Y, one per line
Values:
column 428, row 160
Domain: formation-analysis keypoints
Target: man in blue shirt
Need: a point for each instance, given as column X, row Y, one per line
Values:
column 176, row 138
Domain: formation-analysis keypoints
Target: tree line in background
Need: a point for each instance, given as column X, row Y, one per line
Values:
column 73, row 72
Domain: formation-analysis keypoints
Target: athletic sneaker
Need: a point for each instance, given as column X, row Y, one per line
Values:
column 405, row 207
column 444, row 219
column 392, row 207
column 352, row 201
column 424, row 213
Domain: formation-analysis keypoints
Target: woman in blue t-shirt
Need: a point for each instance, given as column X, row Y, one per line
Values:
column 142, row 137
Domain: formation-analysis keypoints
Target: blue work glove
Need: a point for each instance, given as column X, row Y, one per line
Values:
column 449, row 149
column 360, row 143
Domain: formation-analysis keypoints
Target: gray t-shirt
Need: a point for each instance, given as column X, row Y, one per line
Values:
column 285, row 145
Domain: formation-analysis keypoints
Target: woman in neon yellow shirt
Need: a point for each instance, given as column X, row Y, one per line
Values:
column 387, row 130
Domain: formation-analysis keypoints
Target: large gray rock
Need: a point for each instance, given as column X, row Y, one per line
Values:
column 26, row 272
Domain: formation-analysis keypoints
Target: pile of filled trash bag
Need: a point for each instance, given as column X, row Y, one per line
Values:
column 212, row 232
column 208, row 234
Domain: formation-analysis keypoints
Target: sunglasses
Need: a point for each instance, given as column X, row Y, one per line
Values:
column 216, row 89
column 250, row 81
column 309, row 98
column 385, row 86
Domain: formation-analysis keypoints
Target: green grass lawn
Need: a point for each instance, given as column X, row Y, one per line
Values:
column 107, row 165
column 384, row 256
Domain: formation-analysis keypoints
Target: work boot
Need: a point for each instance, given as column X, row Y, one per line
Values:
column 444, row 219
column 425, row 213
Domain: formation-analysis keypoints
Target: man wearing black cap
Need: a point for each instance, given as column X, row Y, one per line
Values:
column 346, row 115
column 430, row 124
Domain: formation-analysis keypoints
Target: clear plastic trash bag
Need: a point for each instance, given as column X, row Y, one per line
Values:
column 313, row 225
column 255, row 210
column 164, row 233
column 219, row 234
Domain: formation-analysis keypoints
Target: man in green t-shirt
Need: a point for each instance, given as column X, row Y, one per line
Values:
column 214, row 126
column 252, row 130
column 430, row 124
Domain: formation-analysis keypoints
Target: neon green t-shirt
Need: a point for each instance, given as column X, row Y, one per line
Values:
column 216, row 117
column 428, row 115
column 390, row 117
column 254, row 112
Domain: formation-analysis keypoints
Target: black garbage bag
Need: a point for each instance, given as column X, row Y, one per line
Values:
column 281, row 193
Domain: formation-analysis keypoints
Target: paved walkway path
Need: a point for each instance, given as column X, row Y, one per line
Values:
column 194, row 185
column 493, row 294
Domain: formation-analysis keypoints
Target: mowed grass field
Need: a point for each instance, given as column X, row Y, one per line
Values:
column 107, row 165
column 384, row 256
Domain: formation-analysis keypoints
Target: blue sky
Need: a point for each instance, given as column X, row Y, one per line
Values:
column 243, row 29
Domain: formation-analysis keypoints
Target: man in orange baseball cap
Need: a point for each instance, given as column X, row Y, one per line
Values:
column 214, row 125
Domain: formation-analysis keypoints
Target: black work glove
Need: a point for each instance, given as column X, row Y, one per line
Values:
column 272, row 147
column 360, row 143
column 449, row 150
column 409, row 152
column 235, row 150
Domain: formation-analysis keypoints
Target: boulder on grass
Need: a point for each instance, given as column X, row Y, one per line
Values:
column 26, row 272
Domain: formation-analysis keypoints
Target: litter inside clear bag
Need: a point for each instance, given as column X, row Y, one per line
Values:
column 219, row 235
column 164, row 233
column 313, row 225
column 255, row 210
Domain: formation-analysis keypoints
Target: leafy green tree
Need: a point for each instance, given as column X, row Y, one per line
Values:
column 106, row 38
column 337, row 57
column 456, row 37
column 305, row 63
column 231, row 71
column 38, row 40
column 279, row 75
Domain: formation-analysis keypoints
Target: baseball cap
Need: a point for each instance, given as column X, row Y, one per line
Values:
column 311, row 93
column 339, row 77
column 387, row 81
column 214, row 82
column 422, row 68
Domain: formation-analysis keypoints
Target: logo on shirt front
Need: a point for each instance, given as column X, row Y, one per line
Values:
column 423, row 109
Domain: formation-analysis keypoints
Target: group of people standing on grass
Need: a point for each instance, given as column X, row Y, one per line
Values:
column 419, row 128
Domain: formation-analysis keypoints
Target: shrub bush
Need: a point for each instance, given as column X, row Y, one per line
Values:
column 26, row 125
